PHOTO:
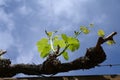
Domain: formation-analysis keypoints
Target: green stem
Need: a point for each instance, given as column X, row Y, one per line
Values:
column 51, row 41
column 63, row 50
column 51, row 44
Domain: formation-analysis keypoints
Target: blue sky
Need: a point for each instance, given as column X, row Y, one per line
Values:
column 23, row 22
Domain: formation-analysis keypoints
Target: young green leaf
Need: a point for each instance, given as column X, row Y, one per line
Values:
column 45, row 51
column 84, row 29
column 41, row 44
column 110, row 42
column 73, row 43
column 55, row 38
column 101, row 33
column 65, row 55
column 43, row 47
column 64, row 37
column 61, row 43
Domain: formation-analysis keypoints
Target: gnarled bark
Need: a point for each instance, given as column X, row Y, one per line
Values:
column 93, row 57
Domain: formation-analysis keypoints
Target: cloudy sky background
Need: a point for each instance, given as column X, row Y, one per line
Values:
column 22, row 24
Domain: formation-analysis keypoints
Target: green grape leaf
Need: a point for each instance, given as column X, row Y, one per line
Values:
column 65, row 55
column 45, row 51
column 64, row 37
column 101, row 33
column 61, row 43
column 84, row 29
column 41, row 44
column 55, row 37
column 43, row 47
column 73, row 44
column 110, row 42
column 91, row 25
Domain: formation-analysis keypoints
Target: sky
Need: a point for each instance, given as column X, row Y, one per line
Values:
column 23, row 23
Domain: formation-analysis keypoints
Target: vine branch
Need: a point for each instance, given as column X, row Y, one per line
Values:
column 93, row 57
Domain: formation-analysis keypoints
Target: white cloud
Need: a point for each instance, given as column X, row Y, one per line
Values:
column 100, row 19
column 25, row 57
column 62, row 6
column 6, row 40
column 28, row 55
column 2, row 2
column 6, row 19
column 62, row 13
column 24, row 10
